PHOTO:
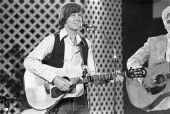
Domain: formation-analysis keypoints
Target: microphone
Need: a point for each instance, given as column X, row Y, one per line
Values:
column 87, row 26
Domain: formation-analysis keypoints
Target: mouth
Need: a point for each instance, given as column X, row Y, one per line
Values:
column 168, row 21
column 78, row 24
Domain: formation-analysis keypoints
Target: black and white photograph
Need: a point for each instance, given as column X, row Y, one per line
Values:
column 84, row 56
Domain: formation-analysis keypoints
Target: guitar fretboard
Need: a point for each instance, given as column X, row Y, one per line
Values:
column 97, row 77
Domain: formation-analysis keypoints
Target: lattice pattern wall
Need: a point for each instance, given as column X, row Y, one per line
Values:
column 25, row 22
column 106, row 14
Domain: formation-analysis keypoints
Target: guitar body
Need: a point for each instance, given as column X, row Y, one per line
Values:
column 42, row 95
column 38, row 92
column 147, row 100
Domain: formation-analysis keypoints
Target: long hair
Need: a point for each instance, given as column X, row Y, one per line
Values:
column 165, row 13
column 66, row 11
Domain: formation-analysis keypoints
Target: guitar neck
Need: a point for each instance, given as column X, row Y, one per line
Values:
column 98, row 77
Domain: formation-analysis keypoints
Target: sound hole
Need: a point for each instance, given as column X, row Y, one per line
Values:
column 160, row 82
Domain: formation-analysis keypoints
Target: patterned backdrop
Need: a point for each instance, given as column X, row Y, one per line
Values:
column 24, row 23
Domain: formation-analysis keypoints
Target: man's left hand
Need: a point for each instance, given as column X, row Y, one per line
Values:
column 119, row 77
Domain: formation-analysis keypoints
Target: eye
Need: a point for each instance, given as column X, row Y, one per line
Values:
column 80, row 15
column 73, row 14
column 168, row 15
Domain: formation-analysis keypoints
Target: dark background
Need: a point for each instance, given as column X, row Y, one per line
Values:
column 138, row 24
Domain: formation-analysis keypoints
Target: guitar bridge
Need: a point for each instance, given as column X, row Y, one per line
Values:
column 47, row 87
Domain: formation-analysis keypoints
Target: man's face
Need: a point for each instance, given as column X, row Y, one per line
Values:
column 167, row 23
column 74, row 21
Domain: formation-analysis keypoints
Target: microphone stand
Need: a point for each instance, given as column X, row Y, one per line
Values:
column 94, row 36
column 94, row 29
column 114, row 86
column 115, row 65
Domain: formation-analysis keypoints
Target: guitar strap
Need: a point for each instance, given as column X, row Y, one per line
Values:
column 156, row 102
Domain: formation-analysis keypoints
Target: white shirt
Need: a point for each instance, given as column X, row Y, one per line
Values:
column 168, row 49
column 165, row 103
column 72, row 60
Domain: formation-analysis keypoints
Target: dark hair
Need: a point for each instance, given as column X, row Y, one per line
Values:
column 66, row 11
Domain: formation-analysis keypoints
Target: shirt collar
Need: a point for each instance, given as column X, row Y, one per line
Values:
column 64, row 34
column 168, row 37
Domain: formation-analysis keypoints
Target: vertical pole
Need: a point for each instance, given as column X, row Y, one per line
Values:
column 114, row 84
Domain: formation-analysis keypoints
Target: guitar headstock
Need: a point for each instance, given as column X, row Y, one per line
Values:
column 136, row 73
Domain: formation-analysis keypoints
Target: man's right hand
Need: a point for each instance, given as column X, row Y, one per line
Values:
column 139, row 80
column 62, row 83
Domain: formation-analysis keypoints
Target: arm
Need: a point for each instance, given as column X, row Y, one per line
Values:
column 33, row 62
column 140, row 57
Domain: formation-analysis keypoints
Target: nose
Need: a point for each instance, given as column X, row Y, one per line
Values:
column 79, row 17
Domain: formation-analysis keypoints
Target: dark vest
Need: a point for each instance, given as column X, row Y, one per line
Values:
column 57, row 56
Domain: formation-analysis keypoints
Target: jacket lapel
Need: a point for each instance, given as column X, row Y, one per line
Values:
column 161, row 46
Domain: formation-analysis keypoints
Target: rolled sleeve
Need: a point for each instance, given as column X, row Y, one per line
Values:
column 33, row 62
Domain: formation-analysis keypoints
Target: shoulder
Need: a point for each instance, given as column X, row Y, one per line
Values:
column 49, row 37
column 157, row 38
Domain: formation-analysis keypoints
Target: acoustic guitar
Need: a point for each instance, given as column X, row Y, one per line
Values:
column 41, row 94
column 148, row 98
